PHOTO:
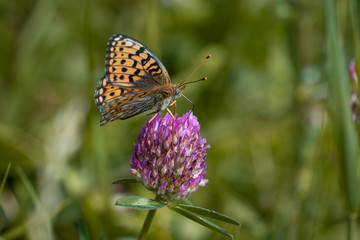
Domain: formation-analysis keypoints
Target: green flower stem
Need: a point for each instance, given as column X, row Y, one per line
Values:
column 147, row 223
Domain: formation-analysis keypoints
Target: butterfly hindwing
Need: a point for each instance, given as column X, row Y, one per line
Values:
column 131, row 64
column 105, row 92
column 130, row 105
column 120, row 103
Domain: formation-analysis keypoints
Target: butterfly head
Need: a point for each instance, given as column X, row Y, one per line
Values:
column 178, row 90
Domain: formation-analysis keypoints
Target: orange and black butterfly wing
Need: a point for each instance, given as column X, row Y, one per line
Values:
column 120, row 103
column 105, row 93
column 130, row 64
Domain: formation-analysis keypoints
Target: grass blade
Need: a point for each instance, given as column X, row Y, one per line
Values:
column 4, row 179
column 345, row 133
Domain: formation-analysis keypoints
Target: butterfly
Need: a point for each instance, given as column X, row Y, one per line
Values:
column 135, row 81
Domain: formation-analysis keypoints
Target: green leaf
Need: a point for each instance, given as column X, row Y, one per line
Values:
column 140, row 203
column 185, row 201
column 125, row 180
column 82, row 230
column 176, row 202
column 202, row 221
column 208, row 213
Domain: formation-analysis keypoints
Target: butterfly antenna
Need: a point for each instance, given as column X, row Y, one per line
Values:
column 203, row 79
column 206, row 58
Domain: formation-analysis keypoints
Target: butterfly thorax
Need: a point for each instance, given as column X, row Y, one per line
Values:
column 174, row 91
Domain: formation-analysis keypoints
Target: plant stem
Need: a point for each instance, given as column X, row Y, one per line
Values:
column 344, row 129
column 147, row 223
column 352, row 225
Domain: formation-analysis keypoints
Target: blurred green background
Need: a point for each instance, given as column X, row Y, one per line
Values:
column 272, row 164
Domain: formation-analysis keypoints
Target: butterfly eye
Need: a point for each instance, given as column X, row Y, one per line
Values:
column 177, row 91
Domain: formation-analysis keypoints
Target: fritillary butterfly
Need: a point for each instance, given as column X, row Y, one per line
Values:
column 135, row 81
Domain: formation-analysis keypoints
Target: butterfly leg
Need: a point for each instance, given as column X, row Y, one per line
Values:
column 173, row 103
column 167, row 109
column 193, row 105
column 152, row 117
column 148, row 123
column 173, row 123
column 172, row 115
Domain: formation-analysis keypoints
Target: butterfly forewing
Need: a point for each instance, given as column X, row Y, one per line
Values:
column 131, row 64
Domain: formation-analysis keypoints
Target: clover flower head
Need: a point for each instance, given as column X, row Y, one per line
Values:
column 352, row 70
column 169, row 157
